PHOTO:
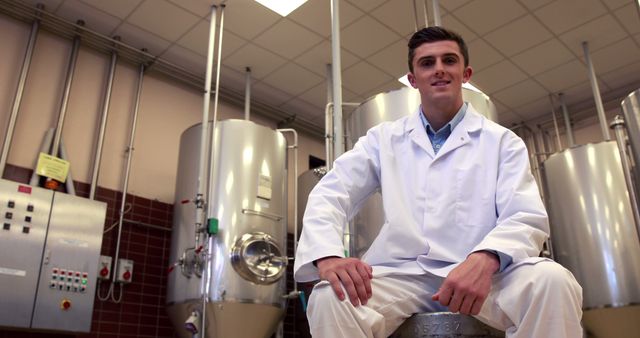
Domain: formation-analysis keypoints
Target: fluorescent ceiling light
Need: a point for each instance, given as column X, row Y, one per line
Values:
column 282, row 7
column 405, row 81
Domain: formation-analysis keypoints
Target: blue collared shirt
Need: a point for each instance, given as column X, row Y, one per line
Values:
column 438, row 138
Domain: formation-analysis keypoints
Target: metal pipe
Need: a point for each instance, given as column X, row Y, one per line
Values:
column 295, row 193
column 247, row 94
column 125, row 185
column 67, row 90
column 555, row 122
column 203, row 182
column 103, row 124
column 567, row 121
column 337, row 78
column 415, row 15
column 424, row 12
column 596, row 92
column 328, row 121
column 618, row 128
column 71, row 190
column 15, row 108
column 44, row 148
column 436, row 12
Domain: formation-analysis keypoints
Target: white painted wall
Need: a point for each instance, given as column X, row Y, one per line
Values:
column 167, row 108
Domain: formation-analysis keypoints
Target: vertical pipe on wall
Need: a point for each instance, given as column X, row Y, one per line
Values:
column 618, row 128
column 338, row 140
column 247, row 93
column 67, row 90
column 415, row 16
column 17, row 100
column 436, row 13
column 555, row 122
column 103, row 123
column 328, row 120
column 125, row 185
column 567, row 121
column 596, row 92
column 424, row 12
column 295, row 194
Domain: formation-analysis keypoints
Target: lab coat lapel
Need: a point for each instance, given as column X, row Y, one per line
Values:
column 471, row 122
column 417, row 133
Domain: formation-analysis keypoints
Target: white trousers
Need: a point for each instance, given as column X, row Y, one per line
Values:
column 535, row 299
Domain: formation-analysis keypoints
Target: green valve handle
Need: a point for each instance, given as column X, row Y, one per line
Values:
column 212, row 226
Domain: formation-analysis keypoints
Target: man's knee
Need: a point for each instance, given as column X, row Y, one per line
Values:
column 322, row 298
column 553, row 277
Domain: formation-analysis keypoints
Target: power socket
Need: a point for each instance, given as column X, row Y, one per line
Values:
column 104, row 268
column 125, row 271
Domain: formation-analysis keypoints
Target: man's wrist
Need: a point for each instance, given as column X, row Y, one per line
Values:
column 492, row 258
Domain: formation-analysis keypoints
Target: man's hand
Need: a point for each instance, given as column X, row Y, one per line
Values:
column 467, row 286
column 353, row 273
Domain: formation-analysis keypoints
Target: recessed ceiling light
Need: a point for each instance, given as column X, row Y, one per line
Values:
column 282, row 7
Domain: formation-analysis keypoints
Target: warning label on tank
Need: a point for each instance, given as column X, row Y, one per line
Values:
column 52, row 167
column 264, row 187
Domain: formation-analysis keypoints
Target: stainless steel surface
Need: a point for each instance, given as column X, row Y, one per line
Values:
column 631, row 111
column 22, row 253
column 64, row 233
column 328, row 119
column 247, row 93
column 567, row 122
column 103, row 124
column 336, row 75
column 445, row 325
column 67, row 91
column 258, row 258
column 249, row 173
column 436, row 12
column 388, row 107
column 596, row 92
column 306, row 182
column 621, row 140
column 73, row 243
column 592, row 227
column 15, row 108
column 555, row 122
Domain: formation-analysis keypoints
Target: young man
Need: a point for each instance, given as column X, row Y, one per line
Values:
column 464, row 223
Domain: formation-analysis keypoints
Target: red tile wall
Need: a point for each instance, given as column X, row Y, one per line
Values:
column 141, row 313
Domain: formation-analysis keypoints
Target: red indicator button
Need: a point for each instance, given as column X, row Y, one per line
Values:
column 65, row 304
column 126, row 275
column 84, row 275
column 104, row 272
column 25, row 189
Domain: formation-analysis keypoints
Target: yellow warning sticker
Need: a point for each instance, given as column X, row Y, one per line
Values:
column 52, row 167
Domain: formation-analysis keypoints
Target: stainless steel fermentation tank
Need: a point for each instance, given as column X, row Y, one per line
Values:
column 631, row 110
column 383, row 107
column 243, row 282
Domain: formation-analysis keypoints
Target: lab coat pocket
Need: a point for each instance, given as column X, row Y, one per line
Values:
column 475, row 199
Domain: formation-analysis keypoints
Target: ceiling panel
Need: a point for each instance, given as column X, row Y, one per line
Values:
column 366, row 36
column 292, row 79
column 629, row 17
column 481, row 55
column 494, row 13
column 276, row 96
column 316, row 16
column 200, row 8
column 620, row 77
column 498, row 76
column 317, row 58
column 618, row 54
column 236, row 14
column 287, row 38
column 598, row 33
column 94, row 19
column 316, row 95
column 454, row 24
column 363, row 77
column 118, row 8
column 543, row 57
column 518, row 35
column 449, row 5
column 153, row 15
column 534, row 109
column 613, row 4
column 533, row 4
column 188, row 59
column 563, row 15
column 261, row 61
column 399, row 16
column 521, row 93
column 302, row 109
column 367, row 5
column 563, row 76
column 394, row 59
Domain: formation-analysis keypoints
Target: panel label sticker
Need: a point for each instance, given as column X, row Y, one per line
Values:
column 264, row 187
column 52, row 167
column 12, row 272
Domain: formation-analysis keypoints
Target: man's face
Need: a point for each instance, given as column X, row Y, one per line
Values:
column 438, row 73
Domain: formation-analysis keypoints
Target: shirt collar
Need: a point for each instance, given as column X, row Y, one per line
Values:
column 449, row 126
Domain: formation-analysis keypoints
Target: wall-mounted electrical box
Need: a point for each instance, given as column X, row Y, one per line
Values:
column 104, row 268
column 51, row 247
column 125, row 271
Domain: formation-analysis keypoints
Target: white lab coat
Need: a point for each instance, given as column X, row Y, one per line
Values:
column 477, row 193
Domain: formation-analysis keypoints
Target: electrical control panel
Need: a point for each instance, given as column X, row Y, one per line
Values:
column 51, row 248
column 125, row 271
column 104, row 268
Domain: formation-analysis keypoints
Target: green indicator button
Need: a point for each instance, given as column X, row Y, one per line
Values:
column 212, row 228
column 84, row 281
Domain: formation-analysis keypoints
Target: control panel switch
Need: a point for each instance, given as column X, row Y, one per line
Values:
column 125, row 271
column 104, row 268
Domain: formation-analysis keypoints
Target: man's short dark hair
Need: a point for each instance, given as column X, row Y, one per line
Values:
column 433, row 34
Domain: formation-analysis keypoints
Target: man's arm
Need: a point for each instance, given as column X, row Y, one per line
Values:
column 353, row 273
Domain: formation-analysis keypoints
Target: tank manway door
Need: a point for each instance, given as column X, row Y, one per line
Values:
column 258, row 258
